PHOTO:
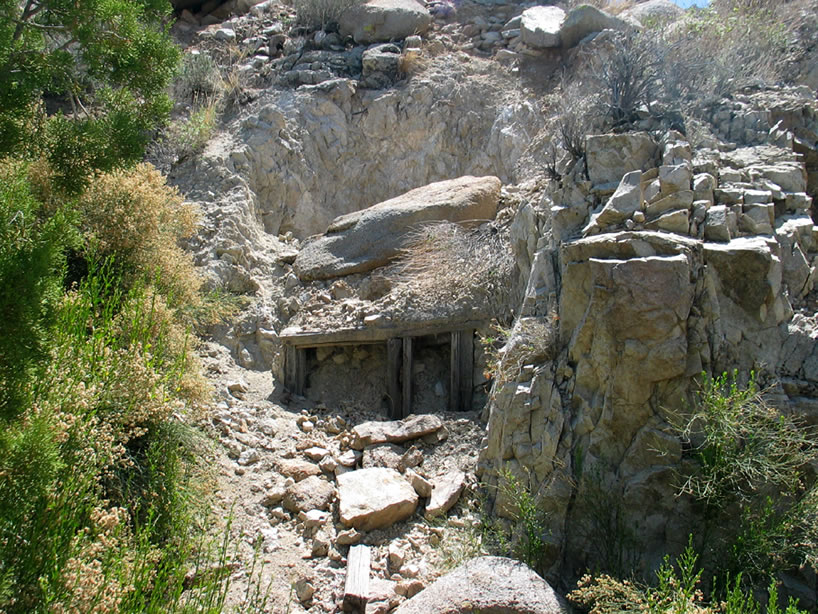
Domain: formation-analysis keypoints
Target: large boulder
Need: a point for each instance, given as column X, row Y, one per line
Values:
column 586, row 19
column 489, row 584
column 654, row 11
column 378, row 21
column 609, row 156
column 396, row 431
column 365, row 240
column 374, row 498
column 540, row 26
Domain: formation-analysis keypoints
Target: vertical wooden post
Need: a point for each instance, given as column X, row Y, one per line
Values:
column 295, row 369
column 406, row 407
column 394, row 350
column 454, row 371
column 461, row 377
column 466, row 369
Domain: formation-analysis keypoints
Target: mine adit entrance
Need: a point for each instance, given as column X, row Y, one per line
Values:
column 402, row 344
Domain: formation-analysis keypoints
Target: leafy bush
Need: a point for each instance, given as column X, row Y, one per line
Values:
column 676, row 591
column 752, row 478
column 31, row 261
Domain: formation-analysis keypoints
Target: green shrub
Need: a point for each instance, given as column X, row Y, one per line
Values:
column 134, row 217
column 675, row 591
column 31, row 262
column 758, row 500
column 529, row 537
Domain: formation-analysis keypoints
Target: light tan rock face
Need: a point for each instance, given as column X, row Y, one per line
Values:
column 609, row 156
column 365, row 240
column 487, row 584
column 376, row 21
column 375, row 498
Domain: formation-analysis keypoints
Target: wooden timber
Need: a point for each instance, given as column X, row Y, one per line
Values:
column 461, row 371
column 394, row 357
column 356, row 587
column 372, row 334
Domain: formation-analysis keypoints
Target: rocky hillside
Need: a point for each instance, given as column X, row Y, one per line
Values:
column 414, row 171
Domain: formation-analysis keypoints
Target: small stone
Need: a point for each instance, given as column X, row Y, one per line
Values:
column 349, row 458
column 308, row 494
column 314, row 518
column 422, row 486
column 328, row 464
column 409, row 588
column 411, row 458
column 304, row 590
column 237, row 389
column 274, row 496
column 307, row 426
column 445, row 493
column 297, row 469
column 248, row 457
column 315, row 453
column 396, row 556
column 348, row 537
column 225, row 35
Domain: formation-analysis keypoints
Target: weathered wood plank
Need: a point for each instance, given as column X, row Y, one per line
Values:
column 295, row 369
column 466, row 369
column 360, row 336
column 356, row 588
column 394, row 351
column 406, row 380
column 454, row 372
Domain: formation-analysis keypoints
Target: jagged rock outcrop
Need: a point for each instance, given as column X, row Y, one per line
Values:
column 666, row 263
column 365, row 240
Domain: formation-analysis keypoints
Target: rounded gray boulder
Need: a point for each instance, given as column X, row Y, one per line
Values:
column 489, row 585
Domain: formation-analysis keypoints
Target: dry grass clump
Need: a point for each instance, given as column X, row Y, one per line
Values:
column 319, row 14
column 533, row 340
column 446, row 268
column 135, row 217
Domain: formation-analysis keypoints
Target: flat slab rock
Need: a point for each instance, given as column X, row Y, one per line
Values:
column 374, row 498
column 489, row 584
column 445, row 493
column 370, row 433
column 367, row 239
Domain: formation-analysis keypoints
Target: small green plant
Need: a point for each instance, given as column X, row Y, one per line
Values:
column 675, row 591
column 614, row 546
column 528, row 543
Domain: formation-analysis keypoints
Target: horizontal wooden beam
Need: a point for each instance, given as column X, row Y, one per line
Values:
column 299, row 337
